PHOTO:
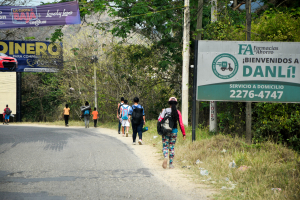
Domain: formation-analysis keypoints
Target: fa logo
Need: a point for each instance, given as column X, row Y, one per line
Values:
column 243, row 50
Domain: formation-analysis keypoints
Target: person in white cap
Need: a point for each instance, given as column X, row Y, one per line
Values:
column 170, row 139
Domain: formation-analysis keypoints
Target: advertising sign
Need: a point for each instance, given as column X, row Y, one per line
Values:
column 30, row 56
column 248, row 71
column 34, row 16
column 8, row 92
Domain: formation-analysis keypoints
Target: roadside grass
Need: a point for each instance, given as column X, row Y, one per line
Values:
column 268, row 165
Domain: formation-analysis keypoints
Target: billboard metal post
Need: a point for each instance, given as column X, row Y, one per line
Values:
column 195, row 92
column 248, row 104
column 19, row 96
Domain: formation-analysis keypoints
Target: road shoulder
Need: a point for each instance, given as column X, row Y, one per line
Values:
column 176, row 178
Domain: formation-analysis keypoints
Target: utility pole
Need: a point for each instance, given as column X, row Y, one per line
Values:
column 199, row 18
column 234, row 3
column 19, row 96
column 248, row 104
column 94, row 61
column 198, row 37
column 213, row 104
column 95, row 79
column 185, row 63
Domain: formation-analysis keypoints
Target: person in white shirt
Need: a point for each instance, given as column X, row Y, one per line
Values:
column 124, row 110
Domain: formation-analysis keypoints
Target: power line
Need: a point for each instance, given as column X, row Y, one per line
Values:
column 149, row 13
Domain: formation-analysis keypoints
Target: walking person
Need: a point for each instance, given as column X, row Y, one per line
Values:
column 85, row 112
column 7, row 112
column 137, row 114
column 124, row 110
column 66, row 114
column 95, row 116
column 118, row 113
column 169, row 140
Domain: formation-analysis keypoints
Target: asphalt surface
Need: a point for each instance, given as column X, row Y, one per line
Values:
column 57, row 163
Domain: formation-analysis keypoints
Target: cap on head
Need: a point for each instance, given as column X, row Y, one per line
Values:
column 173, row 99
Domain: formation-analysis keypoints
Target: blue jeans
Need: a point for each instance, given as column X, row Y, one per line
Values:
column 137, row 129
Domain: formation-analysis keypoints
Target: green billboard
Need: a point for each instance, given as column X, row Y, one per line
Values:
column 248, row 71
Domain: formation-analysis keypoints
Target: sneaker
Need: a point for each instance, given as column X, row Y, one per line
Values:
column 126, row 134
column 165, row 163
column 123, row 135
column 140, row 142
column 134, row 143
column 171, row 166
column 118, row 132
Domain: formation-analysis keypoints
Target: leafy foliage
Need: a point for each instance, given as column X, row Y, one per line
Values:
column 277, row 26
column 41, row 96
column 277, row 121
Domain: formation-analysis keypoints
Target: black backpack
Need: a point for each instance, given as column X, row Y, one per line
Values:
column 165, row 126
column 7, row 111
column 119, row 109
column 137, row 116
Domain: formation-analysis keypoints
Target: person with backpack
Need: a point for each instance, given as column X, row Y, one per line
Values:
column 95, row 116
column 85, row 112
column 118, row 113
column 124, row 110
column 7, row 112
column 66, row 114
column 137, row 114
column 170, row 117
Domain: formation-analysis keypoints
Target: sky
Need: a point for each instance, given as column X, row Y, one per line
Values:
column 254, row 5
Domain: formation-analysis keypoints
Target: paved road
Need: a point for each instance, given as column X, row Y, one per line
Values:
column 72, row 163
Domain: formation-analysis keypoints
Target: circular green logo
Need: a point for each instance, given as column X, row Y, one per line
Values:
column 225, row 66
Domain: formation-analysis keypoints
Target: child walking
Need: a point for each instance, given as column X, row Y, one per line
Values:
column 170, row 139
column 95, row 116
column 124, row 110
